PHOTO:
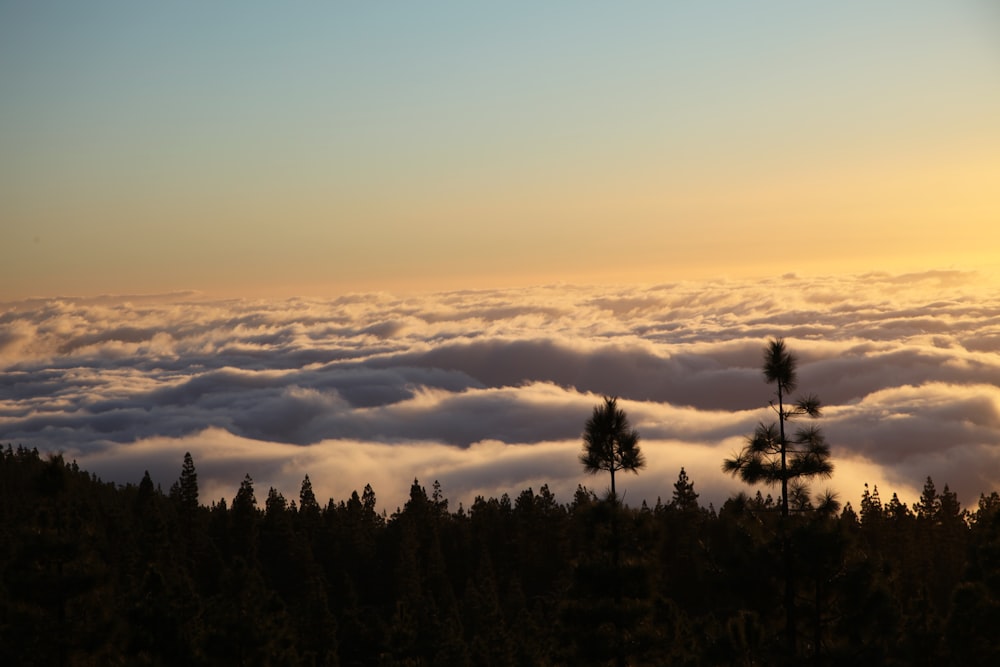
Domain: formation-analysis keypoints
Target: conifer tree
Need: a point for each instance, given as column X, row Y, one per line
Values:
column 244, row 520
column 368, row 504
column 927, row 507
column 245, row 502
column 189, row 485
column 871, row 506
column 896, row 510
column 275, row 504
column 146, row 489
column 610, row 443
column 184, row 496
column 307, row 499
column 684, row 496
column 771, row 457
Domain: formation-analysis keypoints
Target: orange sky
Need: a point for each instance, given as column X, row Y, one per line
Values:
column 263, row 151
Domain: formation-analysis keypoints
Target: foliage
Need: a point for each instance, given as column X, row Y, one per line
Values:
column 610, row 443
column 94, row 573
column 772, row 457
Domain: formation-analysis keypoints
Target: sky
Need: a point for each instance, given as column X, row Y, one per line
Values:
column 254, row 148
column 382, row 241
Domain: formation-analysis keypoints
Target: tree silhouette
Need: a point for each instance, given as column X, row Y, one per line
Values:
column 189, row 485
column 684, row 497
column 610, row 443
column 772, row 458
column 307, row 499
column 245, row 501
column 244, row 521
column 91, row 573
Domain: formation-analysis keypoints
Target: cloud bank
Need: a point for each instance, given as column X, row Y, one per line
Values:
column 488, row 391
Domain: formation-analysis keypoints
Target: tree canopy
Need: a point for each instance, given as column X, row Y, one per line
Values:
column 610, row 443
column 94, row 573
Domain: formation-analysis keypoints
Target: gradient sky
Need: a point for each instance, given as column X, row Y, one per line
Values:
column 262, row 148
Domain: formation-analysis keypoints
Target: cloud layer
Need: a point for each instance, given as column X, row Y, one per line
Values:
column 488, row 390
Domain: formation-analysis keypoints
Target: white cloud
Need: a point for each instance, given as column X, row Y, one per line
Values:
column 488, row 390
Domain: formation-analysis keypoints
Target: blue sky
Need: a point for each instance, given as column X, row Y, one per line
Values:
column 322, row 147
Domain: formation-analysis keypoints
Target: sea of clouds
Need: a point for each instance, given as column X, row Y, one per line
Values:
column 488, row 391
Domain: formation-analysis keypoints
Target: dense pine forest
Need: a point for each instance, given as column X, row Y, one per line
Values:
column 102, row 574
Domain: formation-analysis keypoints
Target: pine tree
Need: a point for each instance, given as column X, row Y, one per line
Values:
column 770, row 456
column 146, row 490
column 245, row 502
column 188, row 485
column 245, row 521
column 685, row 499
column 773, row 458
column 871, row 507
column 975, row 604
column 610, row 443
column 307, row 499
column 927, row 507
column 896, row 510
column 275, row 504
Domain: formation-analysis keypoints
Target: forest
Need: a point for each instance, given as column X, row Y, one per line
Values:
column 98, row 573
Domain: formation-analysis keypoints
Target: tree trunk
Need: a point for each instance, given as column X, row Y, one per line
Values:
column 818, row 630
column 786, row 547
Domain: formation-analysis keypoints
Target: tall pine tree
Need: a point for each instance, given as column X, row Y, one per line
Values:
column 772, row 457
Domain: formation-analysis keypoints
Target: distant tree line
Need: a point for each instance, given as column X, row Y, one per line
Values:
column 93, row 573
column 99, row 574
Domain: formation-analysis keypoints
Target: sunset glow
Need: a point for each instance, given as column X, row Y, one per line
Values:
column 259, row 151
